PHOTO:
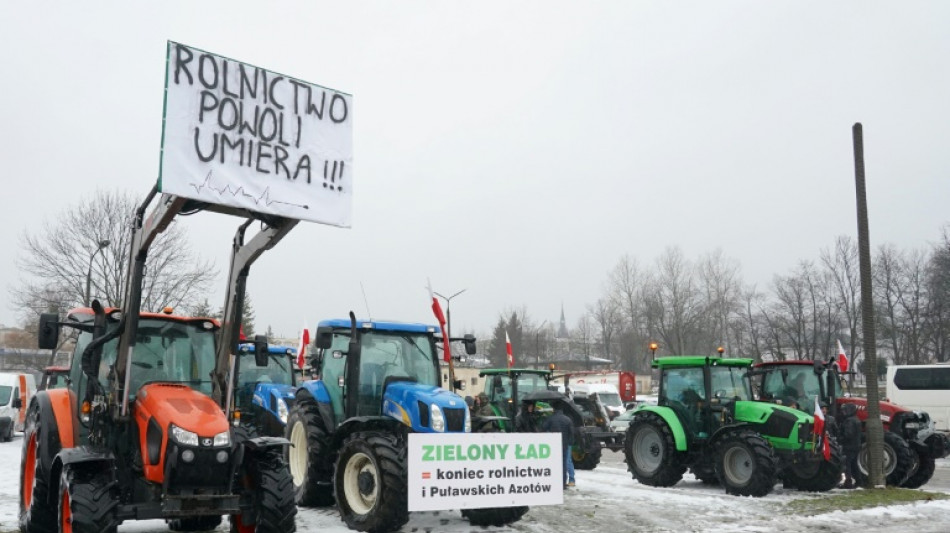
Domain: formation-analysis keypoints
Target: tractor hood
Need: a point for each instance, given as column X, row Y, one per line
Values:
column 416, row 405
column 170, row 403
column 266, row 394
column 784, row 427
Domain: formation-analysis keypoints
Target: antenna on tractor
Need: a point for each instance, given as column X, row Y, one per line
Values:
column 369, row 314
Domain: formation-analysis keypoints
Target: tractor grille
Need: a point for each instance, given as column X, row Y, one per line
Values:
column 454, row 419
column 779, row 424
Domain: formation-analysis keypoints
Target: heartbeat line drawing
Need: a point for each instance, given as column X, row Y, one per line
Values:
column 264, row 198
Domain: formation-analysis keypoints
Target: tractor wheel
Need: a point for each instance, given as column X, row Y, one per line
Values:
column 370, row 482
column 585, row 459
column 494, row 516
column 37, row 512
column 194, row 523
column 266, row 475
column 745, row 465
column 651, row 452
column 88, row 499
column 898, row 461
column 922, row 472
column 310, row 462
column 816, row 475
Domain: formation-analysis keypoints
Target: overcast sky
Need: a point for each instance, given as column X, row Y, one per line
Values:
column 513, row 149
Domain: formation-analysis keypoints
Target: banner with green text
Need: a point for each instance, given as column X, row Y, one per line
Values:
column 478, row 470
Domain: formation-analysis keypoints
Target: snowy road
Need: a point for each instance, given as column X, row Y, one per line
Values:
column 605, row 500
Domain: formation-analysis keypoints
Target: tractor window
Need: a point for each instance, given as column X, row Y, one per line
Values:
column 728, row 383
column 684, row 385
column 171, row 351
column 279, row 369
column 530, row 383
column 797, row 386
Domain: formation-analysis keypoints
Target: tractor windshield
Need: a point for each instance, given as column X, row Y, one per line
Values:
column 279, row 369
column 729, row 383
column 793, row 385
column 165, row 350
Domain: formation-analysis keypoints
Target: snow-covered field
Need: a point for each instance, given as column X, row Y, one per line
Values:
column 605, row 500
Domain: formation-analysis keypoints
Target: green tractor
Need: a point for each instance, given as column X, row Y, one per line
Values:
column 506, row 388
column 707, row 421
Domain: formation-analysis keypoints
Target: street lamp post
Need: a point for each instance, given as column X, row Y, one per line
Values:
column 102, row 244
column 448, row 310
column 537, row 345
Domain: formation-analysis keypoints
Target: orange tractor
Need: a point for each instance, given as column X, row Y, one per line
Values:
column 146, row 427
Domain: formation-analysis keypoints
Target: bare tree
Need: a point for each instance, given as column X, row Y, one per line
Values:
column 938, row 305
column 721, row 280
column 842, row 266
column 93, row 237
column 607, row 317
column 674, row 305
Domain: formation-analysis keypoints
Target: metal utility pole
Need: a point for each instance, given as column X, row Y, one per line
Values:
column 448, row 332
column 874, row 427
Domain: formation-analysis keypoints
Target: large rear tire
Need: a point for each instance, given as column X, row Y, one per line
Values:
column 923, row 471
column 585, row 459
column 745, row 464
column 817, row 475
column 494, row 516
column 311, row 464
column 88, row 499
column 898, row 461
column 37, row 512
column 370, row 482
column 267, row 476
column 651, row 452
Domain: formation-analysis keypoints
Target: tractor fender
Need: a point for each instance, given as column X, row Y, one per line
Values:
column 714, row 438
column 669, row 416
column 57, row 424
column 90, row 457
column 364, row 423
column 318, row 391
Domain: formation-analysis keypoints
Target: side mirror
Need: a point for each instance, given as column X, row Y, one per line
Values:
column 469, row 341
column 324, row 337
column 17, row 403
column 260, row 350
column 48, row 335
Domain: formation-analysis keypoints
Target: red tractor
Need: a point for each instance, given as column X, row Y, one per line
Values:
column 911, row 444
column 145, row 428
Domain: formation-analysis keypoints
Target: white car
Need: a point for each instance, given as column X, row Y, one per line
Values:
column 622, row 421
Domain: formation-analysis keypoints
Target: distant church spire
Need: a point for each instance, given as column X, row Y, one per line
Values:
column 562, row 330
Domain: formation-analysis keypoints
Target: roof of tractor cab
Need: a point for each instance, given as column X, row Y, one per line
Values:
column 782, row 363
column 698, row 360
column 247, row 347
column 85, row 314
column 383, row 325
column 506, row 371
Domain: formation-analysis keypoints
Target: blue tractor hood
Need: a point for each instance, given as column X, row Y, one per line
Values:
column 413, row 404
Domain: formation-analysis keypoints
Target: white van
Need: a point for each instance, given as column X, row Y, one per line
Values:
column 16, row 391
column 608, row 394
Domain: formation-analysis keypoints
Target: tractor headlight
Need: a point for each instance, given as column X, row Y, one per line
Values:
column 436, row 418
column 183, row 436
column 282, row 411
column 222, row 439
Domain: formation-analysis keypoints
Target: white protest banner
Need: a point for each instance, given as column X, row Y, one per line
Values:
column 241, row 136
column 478, row 470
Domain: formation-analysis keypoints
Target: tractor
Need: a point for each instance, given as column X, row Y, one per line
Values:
column 264, row 394
column 706, row 421
column 144, row 428
column 506, row 388
column 376, row 382
column 911, row 444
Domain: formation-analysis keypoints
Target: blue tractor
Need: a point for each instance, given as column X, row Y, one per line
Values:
column 376, row 383
column 264, row 394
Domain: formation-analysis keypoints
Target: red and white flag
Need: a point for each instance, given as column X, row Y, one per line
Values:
column 302, row 350
column 511, row 358
column 437, row 310
column 820, row 431
column 842, row 359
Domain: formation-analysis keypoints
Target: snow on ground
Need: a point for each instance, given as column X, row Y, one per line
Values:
column 606, row 500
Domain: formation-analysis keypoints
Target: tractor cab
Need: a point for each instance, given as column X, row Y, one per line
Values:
column 264, row 394
column 698, row 392
column 506, row 388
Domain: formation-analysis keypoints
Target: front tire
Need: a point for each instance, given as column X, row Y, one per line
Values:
column 816, row 476
column 898, row 461
column 370, row 482
column 925, row 466
column 745, row 464
column 310, row 462
column 585, row 459
column 266, row 475
column 651, row 452
column 88, row 500
column 494, row 516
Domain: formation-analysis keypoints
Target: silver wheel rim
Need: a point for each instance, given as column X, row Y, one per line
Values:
column 360, row 463
column 648, row 450
column 738, row 465
column 298, row 453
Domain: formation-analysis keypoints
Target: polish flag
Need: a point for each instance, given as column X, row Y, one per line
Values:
column 820, row 431
column 302, row 350
column 511, row 358
column 842, row 359
column 437, row 310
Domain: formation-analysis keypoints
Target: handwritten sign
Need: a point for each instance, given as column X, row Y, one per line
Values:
column 238, row 135
column 479, row 470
